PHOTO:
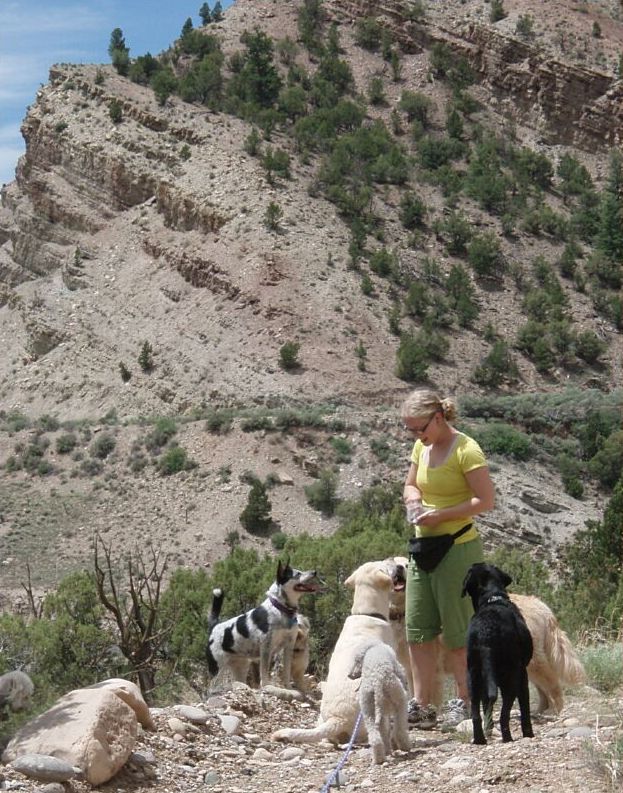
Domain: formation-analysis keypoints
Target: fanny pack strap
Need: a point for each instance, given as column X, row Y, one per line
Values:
column 461, row 531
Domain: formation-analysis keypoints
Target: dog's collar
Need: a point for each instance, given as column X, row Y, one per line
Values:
column 374, row 614
column 495, row 599
column 289, row 611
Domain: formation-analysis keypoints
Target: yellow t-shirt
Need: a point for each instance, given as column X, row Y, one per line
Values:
column 445, row 485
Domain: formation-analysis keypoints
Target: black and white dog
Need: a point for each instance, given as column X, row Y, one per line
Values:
column 499, row 649
column 261, row 632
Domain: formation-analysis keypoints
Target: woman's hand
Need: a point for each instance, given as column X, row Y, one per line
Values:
column 430, row 518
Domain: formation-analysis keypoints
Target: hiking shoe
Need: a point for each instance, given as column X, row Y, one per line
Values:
column 424, row 717
column 454, row 713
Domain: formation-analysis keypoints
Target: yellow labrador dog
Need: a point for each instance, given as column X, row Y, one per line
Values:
column 373, row 583
column 554, row 663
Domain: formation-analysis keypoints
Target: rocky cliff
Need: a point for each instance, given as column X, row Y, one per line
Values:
column 565, row 103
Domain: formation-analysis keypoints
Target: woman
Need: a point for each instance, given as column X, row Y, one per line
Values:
column 447, row 484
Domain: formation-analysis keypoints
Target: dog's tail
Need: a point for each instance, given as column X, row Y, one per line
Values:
column 562, row 656
column 331, row 730
column 489, row 688
column 218, row 595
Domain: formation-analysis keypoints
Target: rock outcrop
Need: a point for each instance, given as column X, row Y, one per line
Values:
column 568, row 104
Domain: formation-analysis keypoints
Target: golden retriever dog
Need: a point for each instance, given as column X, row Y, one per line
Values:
column 554, row 663
column 373, row 583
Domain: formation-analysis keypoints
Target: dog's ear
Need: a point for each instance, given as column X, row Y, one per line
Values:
column 351, row 581
column 283, row 571
column 468, row 583
column 505, row 578
column 382, row 579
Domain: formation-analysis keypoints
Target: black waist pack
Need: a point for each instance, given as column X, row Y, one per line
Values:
column 429, row 551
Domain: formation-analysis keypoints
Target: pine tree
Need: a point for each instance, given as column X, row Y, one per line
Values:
column 146, row 357
column 205, row 14
column 187, row 28
column 217, row 12
column 610, row 233
column 119, row 53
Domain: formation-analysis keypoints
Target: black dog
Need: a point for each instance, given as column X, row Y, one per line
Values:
column 499, row 648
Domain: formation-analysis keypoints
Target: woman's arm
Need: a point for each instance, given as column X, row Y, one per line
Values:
column 411, row 492
column 483, row 500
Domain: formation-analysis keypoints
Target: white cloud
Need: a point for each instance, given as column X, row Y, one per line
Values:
column 14, row 20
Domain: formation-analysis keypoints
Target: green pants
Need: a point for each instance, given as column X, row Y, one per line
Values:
column 433, row 601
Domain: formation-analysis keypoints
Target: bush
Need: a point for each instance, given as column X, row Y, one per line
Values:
column 252, row 143
column 412, row 359
column 256, row 516
column 322, row 495
column 219, row 421
column 461, row 296
column 126, row 374
column 146, row 357
column 458, row 231
column 66, row 443
column 502, row 439
column 276, row 161
column 496, row 368
column 278, row 540
column 484, row 255
column 412, row 211
column 607, row 464
column 343, row 449
column 288, row 355
column 383, row 262
column 416, row 106
column 603, row 664
column 376, row 91
column 368, row 33
column 571, row 471
column 164, row 429
column 174, row 460
column 115, row 111
column 273, row 216
column 589, row 346
column 496, row 11
column 434, row 153
column 525, row 26
column 102, row 446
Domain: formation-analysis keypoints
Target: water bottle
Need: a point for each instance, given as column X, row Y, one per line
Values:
column 414, row 510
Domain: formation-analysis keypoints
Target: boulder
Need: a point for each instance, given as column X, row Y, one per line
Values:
column 130, row 693
column 89, row 728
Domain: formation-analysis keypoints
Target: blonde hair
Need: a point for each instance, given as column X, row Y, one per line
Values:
column 422, row 402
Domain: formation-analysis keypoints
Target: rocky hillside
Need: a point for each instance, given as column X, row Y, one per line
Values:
column 152, row 228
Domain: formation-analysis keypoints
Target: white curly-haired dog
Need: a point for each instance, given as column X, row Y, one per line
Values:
column 382, row 699
column 16, row 689
column 373, row 583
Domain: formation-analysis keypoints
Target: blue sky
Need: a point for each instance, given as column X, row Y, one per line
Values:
column 34, row 34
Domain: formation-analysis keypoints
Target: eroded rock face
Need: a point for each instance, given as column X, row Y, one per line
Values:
column 568, row 104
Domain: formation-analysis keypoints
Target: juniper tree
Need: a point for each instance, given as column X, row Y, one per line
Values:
column 205, row 14
column 119, row 53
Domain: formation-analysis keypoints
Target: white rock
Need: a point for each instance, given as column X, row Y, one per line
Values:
column 231, row 724
column 194, row 715
column 90, row 728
